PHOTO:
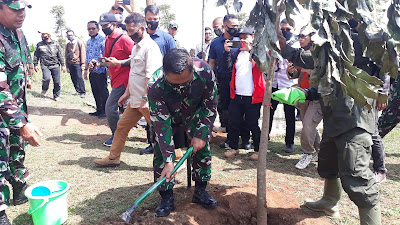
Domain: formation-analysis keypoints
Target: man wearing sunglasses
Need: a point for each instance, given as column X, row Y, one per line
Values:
column 97, row 76
column 14, row 125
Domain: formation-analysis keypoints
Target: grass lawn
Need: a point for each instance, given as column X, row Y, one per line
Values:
column 72, row 139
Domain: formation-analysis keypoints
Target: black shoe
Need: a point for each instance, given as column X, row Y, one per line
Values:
column 246, row 145
column 19, row 197
column 289, row 148
column 201, row 196
column 167, row 203
column 3, row 218
column 102, row 115
column 224, row 144
column 148, row 150
column 94, row 114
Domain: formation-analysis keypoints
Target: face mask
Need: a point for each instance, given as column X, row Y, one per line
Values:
column 287, row 34
column 152, row 25
column 70, row 38
column 118, row 17
column 308, row 46
column 136, row 37
column 218, row 32
column 45, row 38
column 233, row 31
column 107, row 31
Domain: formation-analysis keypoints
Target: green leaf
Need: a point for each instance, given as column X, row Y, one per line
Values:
column 361, row 74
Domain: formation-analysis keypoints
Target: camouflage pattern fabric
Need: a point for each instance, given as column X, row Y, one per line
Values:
column 391, row 114
column 14, row 57
column 192, row 106
column 16, row 4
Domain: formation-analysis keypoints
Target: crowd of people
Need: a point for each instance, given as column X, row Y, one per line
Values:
column 179, row 96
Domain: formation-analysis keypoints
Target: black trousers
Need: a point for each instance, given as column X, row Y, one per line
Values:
column 241, row 107
column 47, row 75
column 289, row 117
column 76, row 76
column 224, row 100
column 98, row 82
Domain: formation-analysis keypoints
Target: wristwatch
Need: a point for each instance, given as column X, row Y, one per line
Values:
column 144, row 98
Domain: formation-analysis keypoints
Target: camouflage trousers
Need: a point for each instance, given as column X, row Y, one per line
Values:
column 12, row 157
column 201, row 166
column 391, row 114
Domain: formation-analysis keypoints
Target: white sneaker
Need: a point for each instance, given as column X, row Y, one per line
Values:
column 380, row 177
column 304, row 161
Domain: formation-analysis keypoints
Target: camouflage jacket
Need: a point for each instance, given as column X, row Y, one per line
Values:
column 14, row 56
column 192, row 106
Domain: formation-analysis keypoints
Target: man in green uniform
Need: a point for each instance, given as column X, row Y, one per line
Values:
column 345, row 149
column 182, row 94
column 14, row 125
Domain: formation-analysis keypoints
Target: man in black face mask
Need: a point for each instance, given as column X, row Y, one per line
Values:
column 164, row 41
column 49, row 53
column 119, row 46
column 231, row 28
column 217, row 26
column 145, row 59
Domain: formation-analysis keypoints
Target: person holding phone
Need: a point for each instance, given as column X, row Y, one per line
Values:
column 144, row 60
column 98, row 76
column 247, row 89
column 231, row 28
column 119, row 46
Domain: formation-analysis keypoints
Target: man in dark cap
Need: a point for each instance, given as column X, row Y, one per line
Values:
column 119, row 46
column 14, row 125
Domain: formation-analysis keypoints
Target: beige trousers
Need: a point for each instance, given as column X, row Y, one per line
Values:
column 311, row 116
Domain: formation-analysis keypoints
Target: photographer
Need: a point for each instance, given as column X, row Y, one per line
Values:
column 247, row 89
column 98, row 76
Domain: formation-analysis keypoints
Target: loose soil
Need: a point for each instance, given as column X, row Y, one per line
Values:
column 237, row 205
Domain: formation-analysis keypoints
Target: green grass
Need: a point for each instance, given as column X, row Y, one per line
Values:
column 72, row 139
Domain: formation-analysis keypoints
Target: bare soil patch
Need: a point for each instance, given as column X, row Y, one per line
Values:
column 237, row 205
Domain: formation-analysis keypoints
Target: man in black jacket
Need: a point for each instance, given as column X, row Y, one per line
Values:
column 49, row 53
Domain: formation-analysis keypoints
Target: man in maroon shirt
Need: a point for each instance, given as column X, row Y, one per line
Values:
column 119, row 46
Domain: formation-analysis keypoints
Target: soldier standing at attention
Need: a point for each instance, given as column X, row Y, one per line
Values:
column 182, row 94
column 14, row 59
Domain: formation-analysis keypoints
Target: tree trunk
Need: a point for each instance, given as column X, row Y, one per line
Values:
column 149, row 2
column 262, row 155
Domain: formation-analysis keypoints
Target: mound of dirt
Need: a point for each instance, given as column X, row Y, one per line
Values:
column 237, row 206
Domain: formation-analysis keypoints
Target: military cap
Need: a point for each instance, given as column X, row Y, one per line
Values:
column 16, row 4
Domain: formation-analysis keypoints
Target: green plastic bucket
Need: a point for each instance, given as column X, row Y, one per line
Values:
column 48, row 202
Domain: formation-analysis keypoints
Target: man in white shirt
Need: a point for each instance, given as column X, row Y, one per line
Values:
column 281, row 81
column 145, row 59
column 203, row 54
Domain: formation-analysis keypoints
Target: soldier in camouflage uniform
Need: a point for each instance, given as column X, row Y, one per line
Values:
column 390, row 115
column 15, row 128
column 182, row 94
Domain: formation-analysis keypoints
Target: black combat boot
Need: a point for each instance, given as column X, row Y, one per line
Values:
column 167, row 203
column 200, row 196
column 3, row 218
column 19, row 197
